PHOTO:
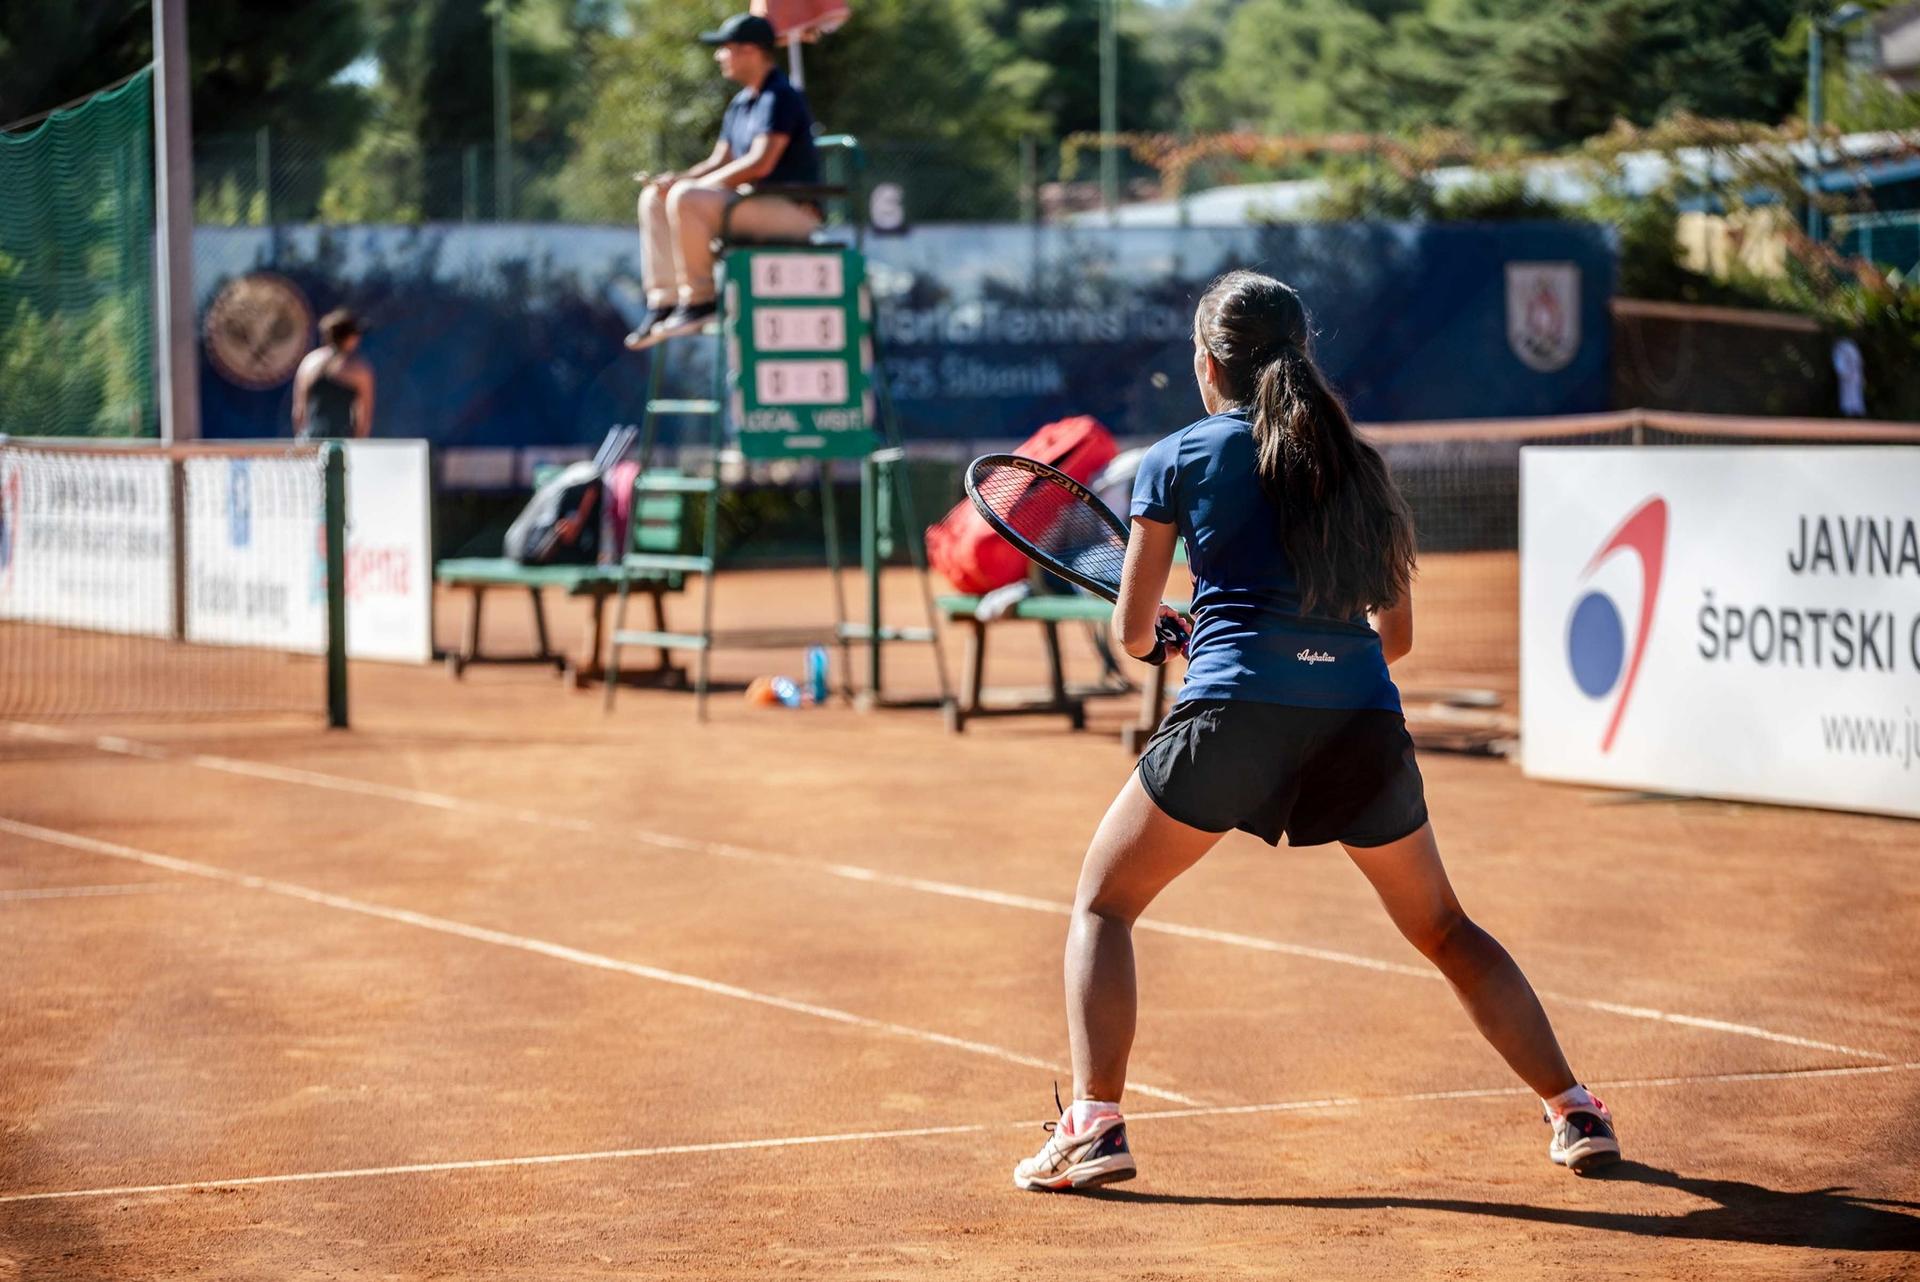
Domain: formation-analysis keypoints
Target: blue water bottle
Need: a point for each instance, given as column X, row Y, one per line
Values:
column 817, row 674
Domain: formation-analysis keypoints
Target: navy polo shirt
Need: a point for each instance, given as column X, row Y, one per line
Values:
column 776, row 107
column 1250, row 640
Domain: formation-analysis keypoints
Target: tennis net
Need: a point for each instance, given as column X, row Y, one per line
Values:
column 157, row 583
column 1463, row 482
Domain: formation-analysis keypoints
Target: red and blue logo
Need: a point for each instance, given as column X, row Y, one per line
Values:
column 1597, row 650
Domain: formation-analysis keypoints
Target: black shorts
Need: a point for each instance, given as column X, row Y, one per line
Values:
column 1315, row 774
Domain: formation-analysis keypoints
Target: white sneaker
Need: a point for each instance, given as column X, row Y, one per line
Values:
column 1583, row 1138
column 1079, row 1159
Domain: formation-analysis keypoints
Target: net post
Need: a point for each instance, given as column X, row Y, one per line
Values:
column 177, row 539
column 334, row 466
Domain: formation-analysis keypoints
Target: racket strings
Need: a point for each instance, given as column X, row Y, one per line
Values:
column 1055, row 522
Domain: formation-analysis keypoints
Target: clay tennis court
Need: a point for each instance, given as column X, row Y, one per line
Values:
column 495, row 986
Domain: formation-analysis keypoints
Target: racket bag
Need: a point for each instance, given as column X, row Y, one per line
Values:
column 561, row 525
column 570, row 520
column 967, row 552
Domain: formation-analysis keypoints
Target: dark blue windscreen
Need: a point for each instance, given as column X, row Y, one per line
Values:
column 509, row 335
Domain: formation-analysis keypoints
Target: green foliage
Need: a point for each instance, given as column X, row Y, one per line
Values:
column 73, row 373
column 1378, row 191
column 76, row 300
column 1369, row 190
column 1886, row 324
column 254, row 66
column 1545, row 73
column 908, row 77
column 655, row 104
column 1044, row 60
column 435, row 99
column 1301, row 66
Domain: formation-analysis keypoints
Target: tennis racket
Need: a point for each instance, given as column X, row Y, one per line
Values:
column 1060, row 525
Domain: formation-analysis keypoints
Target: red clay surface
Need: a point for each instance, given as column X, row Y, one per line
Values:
column 285, row 1004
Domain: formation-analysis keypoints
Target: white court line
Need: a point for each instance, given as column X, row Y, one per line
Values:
column 86, row 892
column 561, row 952
column 853, row 872
column 922, row 1132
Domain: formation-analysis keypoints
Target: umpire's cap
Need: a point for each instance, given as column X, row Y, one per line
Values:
column 741, row 29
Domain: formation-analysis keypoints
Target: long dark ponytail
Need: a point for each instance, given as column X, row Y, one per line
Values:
column 1348, row 531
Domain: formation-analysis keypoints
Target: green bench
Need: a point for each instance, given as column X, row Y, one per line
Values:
column 1059, row 698
column 659, row 526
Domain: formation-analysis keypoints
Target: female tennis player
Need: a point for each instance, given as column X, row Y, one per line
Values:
column 1288, row 721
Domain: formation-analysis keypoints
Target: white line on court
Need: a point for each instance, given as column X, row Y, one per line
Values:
column 854, row 872
column 88, row 892
column 923, row 1132
column 561, row 952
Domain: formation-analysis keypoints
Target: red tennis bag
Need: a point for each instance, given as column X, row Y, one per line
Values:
column 965, row 549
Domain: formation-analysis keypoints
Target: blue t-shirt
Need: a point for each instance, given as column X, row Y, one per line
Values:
column 776, row 107
column 1250, row 640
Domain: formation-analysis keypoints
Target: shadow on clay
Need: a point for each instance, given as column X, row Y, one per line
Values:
column 1828, row 1218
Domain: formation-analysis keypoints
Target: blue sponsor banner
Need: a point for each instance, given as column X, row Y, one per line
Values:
column 508, row 336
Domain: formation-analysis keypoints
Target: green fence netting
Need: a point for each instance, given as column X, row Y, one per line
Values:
column 76, row 269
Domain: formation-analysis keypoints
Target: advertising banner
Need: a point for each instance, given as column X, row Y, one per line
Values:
column 1740, row 623
column 256, row 570
column 507, row 337
column 92, row 544
column 87, row 546
column 389, row 551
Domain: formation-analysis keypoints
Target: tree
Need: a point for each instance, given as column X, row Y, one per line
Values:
column 1045, row 59
column 255, row 67
column 1547, row 74
column 1303, row 66
column 436, row 95
column 905, row 76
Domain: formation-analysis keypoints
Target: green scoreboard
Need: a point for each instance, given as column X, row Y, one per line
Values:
column 800, row 351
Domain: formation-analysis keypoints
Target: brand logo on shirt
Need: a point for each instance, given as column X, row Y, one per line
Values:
column 1314, row 656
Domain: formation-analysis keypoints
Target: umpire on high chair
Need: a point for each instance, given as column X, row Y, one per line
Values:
column 766, row 137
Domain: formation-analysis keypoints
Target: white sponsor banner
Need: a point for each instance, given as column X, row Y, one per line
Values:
column 87, row 544
column 256, row 552
column 88, row 541
column 389, row 551
column 1738, row 623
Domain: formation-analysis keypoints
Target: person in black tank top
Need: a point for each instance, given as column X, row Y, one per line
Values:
column 1289, row 725
column 333, row 390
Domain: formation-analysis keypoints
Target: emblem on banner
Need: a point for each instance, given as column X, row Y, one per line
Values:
column 9, row 524
column 1597, row 645
column 258, row 329
column 1543, row 314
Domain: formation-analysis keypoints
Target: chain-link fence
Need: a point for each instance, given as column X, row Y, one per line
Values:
column 270, row 177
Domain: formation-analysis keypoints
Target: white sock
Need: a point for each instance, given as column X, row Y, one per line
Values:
column 1083, row 1113
column 1566, row 1101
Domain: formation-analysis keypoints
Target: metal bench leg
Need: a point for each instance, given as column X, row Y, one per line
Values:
column 976, row 665
column 546, row 653
column 472, row 649
column 1057, row 675
column 610, row 677
column 1056, row 669
column 595, row 634
column 1153, row 707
